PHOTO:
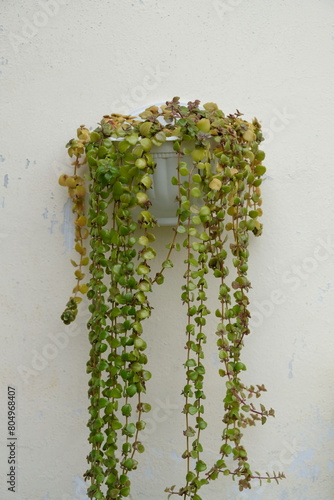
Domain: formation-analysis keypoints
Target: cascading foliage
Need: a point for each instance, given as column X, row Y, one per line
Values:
column 218, row 174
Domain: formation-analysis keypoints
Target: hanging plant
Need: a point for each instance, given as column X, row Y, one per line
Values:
column 218, row 174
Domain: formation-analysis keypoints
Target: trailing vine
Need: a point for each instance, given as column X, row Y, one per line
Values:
column 218, row 173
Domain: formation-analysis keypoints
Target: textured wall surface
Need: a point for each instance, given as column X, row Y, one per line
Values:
column 68, row 62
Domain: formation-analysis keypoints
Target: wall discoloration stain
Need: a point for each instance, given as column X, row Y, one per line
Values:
column 66, row 227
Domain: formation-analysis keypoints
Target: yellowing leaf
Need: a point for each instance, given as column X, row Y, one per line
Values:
column 81, row 221
column 204, row 125
column 81, row 250
column 249, row 135
column 79, row 274
column 143, row 240
column 145, row 127
column 215, row 184
column 210, row 106
column 198, row 154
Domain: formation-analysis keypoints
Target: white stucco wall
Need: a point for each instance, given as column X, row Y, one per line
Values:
column 68, row 62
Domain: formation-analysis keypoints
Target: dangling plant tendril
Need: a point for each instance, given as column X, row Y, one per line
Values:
column 219, row 173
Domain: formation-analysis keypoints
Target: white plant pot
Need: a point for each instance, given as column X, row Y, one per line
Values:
column 163, row 193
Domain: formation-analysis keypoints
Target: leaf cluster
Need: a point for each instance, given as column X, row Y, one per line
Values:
column 218, row 174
